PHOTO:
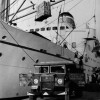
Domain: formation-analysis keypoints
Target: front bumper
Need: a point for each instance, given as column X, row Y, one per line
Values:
column 47, row 91
column 46, row 94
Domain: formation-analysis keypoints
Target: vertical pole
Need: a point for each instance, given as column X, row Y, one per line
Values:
column 97, row 11
column 7, row 10
column 58, row 26
column 0, row 8
column 66, row 93
column 67, row 89
column 4, row 9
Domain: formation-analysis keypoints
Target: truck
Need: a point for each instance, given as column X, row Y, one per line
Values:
column 55, row 78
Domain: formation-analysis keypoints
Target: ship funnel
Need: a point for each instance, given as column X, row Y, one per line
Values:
column 67, row 20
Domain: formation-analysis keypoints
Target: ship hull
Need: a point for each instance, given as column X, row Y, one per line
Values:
column 18, row 54
column 19, row 51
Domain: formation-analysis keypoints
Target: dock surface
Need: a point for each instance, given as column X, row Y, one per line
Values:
column 86, row 96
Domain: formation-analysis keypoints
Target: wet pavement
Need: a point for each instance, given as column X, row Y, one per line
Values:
column 86, row 96
column 91, row 92
column 89, row 96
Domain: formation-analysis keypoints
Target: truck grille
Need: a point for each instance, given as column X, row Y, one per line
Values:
column 47, row 82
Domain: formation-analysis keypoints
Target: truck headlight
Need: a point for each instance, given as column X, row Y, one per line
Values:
column 60, row 81
column 36, row 81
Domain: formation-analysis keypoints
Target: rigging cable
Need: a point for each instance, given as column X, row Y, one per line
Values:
column 76, row 5
column 71, row 30
column 95, row 15
column 85, row 22
column 86, row 43
column 18, row 10
column 79, row 26
column 76, row 27
column 58, row 24
column 26, row 19
column 17, row 42
column 67, row 36
column 89, row 31
column 63, row 4
column 15, row 66
column 69, row 43
column 8, row 6
column 73, row 6
column 57, row 18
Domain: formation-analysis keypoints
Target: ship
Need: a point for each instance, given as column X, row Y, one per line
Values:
column 20, row 49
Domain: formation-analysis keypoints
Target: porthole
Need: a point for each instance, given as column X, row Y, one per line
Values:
column 0, row 54
column 17, row 94
column 23, row 58
column 4, row 37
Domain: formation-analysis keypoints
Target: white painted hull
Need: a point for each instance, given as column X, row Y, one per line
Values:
column 11, row 63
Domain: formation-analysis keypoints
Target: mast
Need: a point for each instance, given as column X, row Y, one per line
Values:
column 97, row 18
column 7, row 10
column 4, row 9
column 0, row 8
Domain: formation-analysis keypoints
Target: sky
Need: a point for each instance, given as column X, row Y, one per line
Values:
column 82, row 12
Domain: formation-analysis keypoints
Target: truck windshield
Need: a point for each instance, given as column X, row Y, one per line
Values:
column 41, row 69
column 58, row 69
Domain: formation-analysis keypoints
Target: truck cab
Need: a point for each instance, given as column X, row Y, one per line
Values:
column 53, row 77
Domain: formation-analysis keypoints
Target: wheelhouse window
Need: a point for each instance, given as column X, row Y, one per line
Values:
column 43, row 29
column 62, row 27
column 48, row 28
column 54, row 28
column 57, row 69
column 37, row 29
